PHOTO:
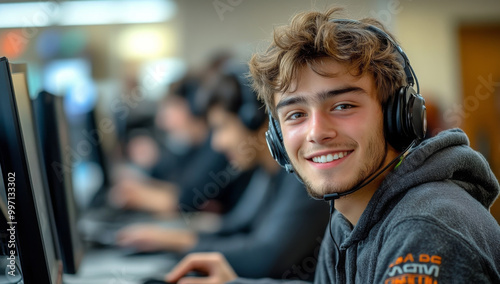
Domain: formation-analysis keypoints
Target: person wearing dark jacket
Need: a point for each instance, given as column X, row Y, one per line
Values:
column 274, row 226
column 181, row 180
column 347, row 121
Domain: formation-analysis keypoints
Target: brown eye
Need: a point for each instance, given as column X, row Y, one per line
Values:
column 343, row 107
column 295, row 115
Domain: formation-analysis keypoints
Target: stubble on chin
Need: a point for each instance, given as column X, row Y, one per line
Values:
column 377, row 155
column 319, row 191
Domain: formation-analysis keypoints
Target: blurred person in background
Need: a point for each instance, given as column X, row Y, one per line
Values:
column 275, row 225
column 183, row 172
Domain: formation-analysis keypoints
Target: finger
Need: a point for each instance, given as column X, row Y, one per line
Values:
column 125, row 233
column 115, row 197
column 187, row 264
column 196, row 280
column 124, row 240
column 129, row 236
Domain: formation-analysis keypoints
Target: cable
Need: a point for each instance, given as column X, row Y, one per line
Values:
column 336, row 195
column 332, row 196
column 415, row 77
column 330, row 225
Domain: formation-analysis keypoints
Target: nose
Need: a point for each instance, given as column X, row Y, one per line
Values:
column 321, row 128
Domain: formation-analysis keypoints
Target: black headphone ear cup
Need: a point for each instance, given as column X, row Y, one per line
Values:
column 274, row 141
column 405, row 118
column 250, row 115
column 395, row 120
column 272, row 145
column 251, row 112
column 402, row 112
column 390, row 118
column 417, row 115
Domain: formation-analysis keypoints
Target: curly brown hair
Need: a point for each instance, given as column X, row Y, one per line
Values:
column 312, row 36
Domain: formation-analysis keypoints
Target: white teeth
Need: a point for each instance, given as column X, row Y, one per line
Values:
column 329, row 157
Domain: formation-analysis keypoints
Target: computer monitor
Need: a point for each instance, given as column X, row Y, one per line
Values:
column 20, row 166
column 88, row 159
column 53, row 133
column 98, row 157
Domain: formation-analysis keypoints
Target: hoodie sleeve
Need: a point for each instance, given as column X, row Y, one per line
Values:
column 423, row 250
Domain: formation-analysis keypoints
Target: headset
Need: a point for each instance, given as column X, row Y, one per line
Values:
column 188, row 89
column 405, row 121
column 251, row 111
column 248, row 109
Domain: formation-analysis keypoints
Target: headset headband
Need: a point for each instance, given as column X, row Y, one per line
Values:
column 411, row 79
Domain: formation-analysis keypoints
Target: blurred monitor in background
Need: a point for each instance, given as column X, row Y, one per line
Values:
column 72, row 79
column 53, row 133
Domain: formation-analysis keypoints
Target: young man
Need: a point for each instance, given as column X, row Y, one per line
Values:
column 340, row 91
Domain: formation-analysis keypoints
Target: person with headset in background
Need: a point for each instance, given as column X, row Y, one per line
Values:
column 178, row 180
column 187, row 174
column 274, row 225
column 346, row 120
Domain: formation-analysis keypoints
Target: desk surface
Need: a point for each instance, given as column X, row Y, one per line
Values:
column 113, row 266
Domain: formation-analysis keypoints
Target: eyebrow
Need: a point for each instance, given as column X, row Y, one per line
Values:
column 322, row 96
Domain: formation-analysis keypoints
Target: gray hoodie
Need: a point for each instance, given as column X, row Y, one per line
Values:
column 427, row 223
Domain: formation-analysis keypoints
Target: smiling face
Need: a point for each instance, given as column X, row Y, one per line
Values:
column 332, row 128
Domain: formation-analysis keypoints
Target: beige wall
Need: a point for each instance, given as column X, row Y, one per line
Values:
column 247, row 26
column 426, row 30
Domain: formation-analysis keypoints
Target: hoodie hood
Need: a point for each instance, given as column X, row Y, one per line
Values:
column 446, row 156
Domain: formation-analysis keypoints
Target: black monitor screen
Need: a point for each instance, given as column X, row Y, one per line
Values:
column 53, row 131
column 20, row 164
